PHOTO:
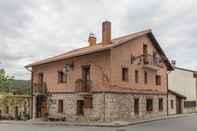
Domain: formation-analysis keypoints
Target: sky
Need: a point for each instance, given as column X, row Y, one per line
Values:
column 31, row 30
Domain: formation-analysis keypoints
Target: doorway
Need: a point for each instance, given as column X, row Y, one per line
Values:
column 41, row 106
column 178, row 105
column 16, row 113
column 80, row 107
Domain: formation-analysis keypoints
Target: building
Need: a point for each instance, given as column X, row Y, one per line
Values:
column 183, row 82
column 15, row 106
column 117, row 79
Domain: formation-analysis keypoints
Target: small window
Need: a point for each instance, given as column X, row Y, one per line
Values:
column 160, row 104
column 88, row 103
column 136, row 76
column 125, row 74
column 136, row 106
column 158, row 80
column 62, row 77
column 149, row 105
column 60, row 106
column 172, row 104
column 132, row 59
column 145, row 78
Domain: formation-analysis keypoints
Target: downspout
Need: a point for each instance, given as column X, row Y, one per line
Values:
column 167, row 92
column 30, row 70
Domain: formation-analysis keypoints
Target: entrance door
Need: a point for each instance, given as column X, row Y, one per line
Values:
column 178, row 106
column 80, row 107
column 16, row 112
column 41, row 106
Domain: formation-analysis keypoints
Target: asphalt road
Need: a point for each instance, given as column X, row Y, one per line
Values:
column 176, row 124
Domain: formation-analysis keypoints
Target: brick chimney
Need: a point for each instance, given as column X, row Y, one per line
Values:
column 92, row 39
column 106, row 32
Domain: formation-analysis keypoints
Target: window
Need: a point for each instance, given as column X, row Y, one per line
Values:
column 125, row 74
column 145, row 78
column 136, row 76
column 132, row 59
column 62, row 77
column 172, row 104
column 158, row 80
column 136, row 106
column 189, row 104
column 88, row 102
column 160, row 104
column 60, row 106
column 149, row 105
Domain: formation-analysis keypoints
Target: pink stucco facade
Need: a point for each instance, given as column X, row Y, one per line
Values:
column 110, row 63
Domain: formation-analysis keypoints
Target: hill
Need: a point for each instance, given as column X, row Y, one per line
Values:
column 21, row 86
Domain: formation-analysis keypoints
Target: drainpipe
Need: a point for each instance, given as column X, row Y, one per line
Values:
column 31, row 90
column 104, row 105
column 167, row 92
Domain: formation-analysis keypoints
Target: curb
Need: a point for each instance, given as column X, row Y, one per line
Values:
column 123, row 124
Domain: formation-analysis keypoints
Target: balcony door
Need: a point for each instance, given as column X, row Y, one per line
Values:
column 85, row 76
column 86, row 72
column 145, row 49
column 41, row 78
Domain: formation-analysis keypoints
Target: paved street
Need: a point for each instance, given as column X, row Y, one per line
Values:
column 175, row 124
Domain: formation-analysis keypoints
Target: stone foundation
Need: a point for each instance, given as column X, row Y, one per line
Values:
column 107, row 107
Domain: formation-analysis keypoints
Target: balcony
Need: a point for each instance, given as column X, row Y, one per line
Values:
column 40, row 89
column 83, row 86
column 151, row 62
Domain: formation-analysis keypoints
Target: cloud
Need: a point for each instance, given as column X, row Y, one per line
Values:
column 33, row 30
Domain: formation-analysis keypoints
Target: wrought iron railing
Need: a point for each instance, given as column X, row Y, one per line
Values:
column 40, row 88
column 83, row 85
column 151, row 60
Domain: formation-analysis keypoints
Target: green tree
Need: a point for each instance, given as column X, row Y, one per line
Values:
column 5, row 81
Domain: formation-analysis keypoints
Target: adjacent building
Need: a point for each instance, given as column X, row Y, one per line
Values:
column 15, row 106
column 182, row 82
column 117, row 79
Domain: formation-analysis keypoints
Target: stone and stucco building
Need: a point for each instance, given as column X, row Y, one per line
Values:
column 118, row 79
column 15, row 106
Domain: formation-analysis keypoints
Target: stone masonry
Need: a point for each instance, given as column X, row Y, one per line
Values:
column 108, row 107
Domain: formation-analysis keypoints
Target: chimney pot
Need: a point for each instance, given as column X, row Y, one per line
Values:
column 92, row 39
column 106, row 32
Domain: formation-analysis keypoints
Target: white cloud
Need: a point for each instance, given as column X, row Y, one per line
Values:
column 33, row 30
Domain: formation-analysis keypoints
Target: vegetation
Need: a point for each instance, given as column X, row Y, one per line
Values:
column 9, row 85
column 5, row 81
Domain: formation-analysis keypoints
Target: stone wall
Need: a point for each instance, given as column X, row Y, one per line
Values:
column 107, row 107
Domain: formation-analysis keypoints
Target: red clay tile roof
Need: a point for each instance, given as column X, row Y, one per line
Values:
column 177, row 94
column 97, row 48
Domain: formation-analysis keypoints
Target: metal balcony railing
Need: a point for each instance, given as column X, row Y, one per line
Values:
column 83, row 85
column 40, row 88
column 151, row 60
